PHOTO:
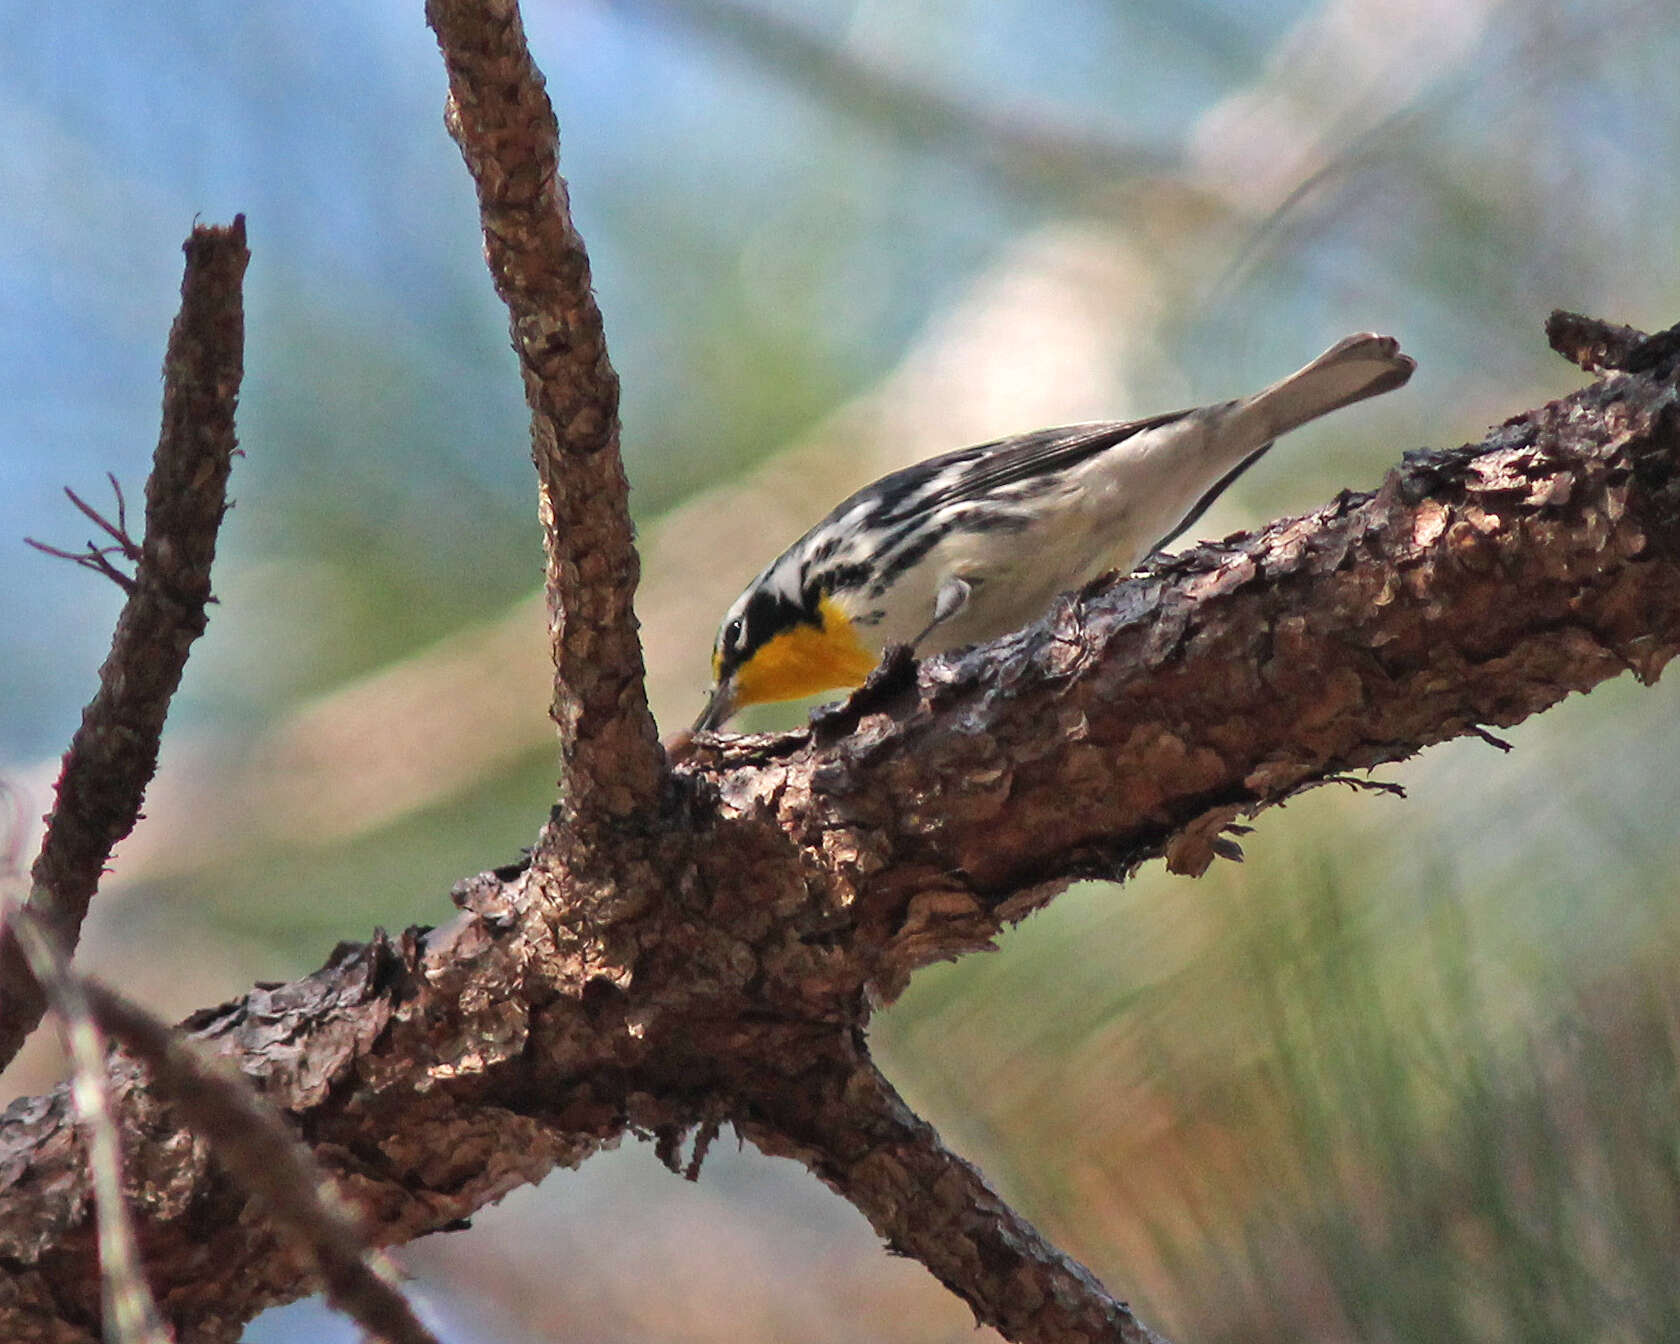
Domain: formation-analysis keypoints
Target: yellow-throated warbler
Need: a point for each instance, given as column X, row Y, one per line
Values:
column 972, row 544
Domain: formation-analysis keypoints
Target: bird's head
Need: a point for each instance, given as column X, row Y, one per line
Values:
column 774, row 644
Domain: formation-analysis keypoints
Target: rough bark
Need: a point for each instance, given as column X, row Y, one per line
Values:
column 796, row 878
column 113, row 755
column 500, row 117
column 252, row 1142
column 854, row 1131
column 1478, row 586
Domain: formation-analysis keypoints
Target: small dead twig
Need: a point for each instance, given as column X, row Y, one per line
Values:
column 1359, row 785
column 94, row 557
column 118, row 532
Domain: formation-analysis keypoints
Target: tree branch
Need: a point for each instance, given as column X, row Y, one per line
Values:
column 434, row 1073
column 1597, row 345
column 1477, row 586
column 854, row 1131
column 114, row 753
column 251, row 1141
column 500, row 117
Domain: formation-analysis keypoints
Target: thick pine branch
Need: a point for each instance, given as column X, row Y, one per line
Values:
column 253, row 1144
column 114, row 753
column 1478, row 586
column 434, row 1074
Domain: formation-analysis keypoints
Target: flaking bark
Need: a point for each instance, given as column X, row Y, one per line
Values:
column 790, row 881
column 1477, row 586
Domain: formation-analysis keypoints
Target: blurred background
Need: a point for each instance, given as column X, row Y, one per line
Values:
column 1407, row 1074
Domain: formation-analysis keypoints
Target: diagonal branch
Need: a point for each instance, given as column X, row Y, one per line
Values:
column 854, row 1132
column 500, row 117
column 1479, row 586
column 114, row 753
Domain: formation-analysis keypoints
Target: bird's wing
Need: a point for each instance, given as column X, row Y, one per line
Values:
column 1212, row 493
column 972, row 473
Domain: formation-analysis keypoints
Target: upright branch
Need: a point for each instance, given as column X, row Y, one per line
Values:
column 114, row 753
column 500, row 117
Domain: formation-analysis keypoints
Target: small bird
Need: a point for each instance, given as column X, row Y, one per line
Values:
column 969, row 545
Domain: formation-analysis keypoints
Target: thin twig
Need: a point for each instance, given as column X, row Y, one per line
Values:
column 129, row 1310
column 94, row 555
column 92, row 558
column 118, row 531
column 1359, row 785
column 114, row 753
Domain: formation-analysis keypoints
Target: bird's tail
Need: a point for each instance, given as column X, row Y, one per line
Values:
column 1354, row 368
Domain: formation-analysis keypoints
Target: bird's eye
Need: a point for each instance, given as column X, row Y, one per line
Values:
column 732, row 634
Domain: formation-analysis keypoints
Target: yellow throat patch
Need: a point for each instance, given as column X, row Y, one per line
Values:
column 805, row 659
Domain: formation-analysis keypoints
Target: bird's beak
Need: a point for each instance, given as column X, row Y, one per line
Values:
column 718, row 708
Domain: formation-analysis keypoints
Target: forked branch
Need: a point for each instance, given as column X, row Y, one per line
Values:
column 658, row 969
